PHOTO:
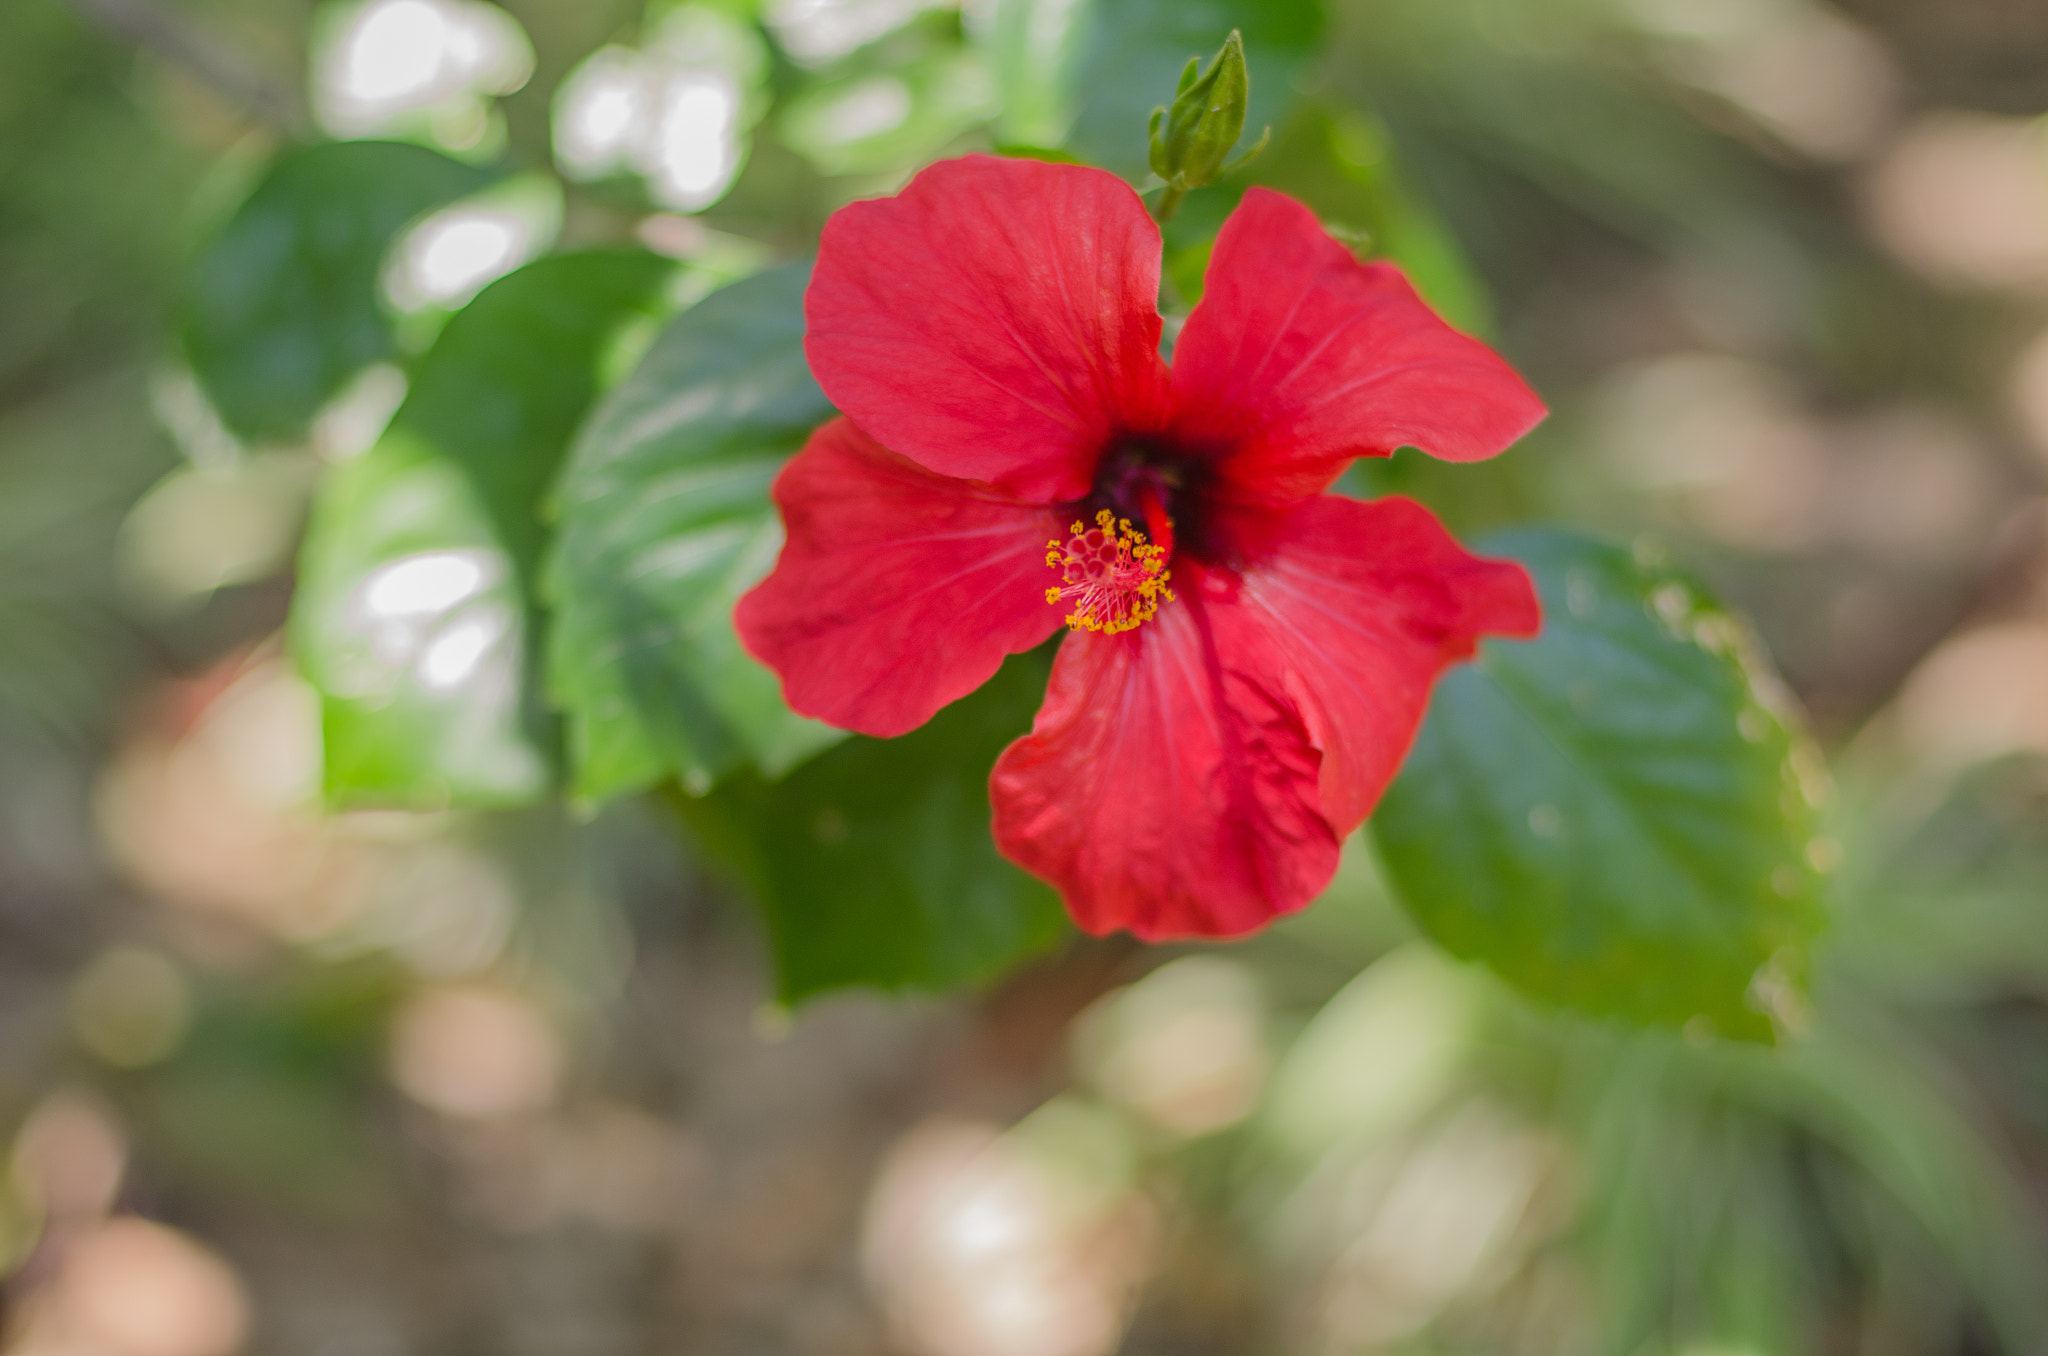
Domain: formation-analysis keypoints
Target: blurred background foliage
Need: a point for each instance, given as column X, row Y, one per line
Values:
column 282, row 1075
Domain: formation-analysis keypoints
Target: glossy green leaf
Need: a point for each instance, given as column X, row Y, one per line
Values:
column 1613, row 816
column 282, row 307
column 1133, row 52
column 504, row 389
column 665, row 521
column 873, row 863
column 414, row 617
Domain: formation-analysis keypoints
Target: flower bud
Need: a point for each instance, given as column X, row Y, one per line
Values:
column 1192, row 139
column 1205, row 121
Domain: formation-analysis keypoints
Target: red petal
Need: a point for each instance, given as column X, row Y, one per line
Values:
column 897, row 591
column 997, row 320
column 1168, row 785
column 1300, row 358
column 1368, row 603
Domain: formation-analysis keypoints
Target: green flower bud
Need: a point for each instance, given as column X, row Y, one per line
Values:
column 1192, row 140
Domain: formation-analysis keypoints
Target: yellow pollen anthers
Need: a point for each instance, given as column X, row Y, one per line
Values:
column 1112, row 576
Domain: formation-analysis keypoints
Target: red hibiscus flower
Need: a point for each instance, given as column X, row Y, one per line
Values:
column 1250, row 657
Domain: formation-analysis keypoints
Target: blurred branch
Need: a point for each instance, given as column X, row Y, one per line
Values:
column 175, row 39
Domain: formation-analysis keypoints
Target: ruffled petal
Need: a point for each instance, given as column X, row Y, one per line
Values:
column 1168, row 786
column 1300, row 358
column 897, row 590
column 1367, row 603
column 997, row 320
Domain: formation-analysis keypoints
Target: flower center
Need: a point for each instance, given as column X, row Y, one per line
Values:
column 1113, row 578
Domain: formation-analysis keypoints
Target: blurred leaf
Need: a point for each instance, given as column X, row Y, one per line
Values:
column 1878, row 1090
column 665, row 522
column 1019, row 150
column 1031, row 46
column 1942, row 880
column 97, row 180
column 1698, row 1205
column 414, row 613
column 873, row 862
column 1411, row 1016
column 892, row 120
column 1133, row 52
column 273, row 1136
column 282, row 308
column 267, row 1099
column 409, row 622
column 1609, row 815
column 1556, row 96
column 1731, row 1179
column 71, row 463
column 673, row 153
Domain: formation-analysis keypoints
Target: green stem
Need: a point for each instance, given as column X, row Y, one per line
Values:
column 1169, row 203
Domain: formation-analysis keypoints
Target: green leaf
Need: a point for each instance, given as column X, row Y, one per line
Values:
column 873, row 863
column 1613, row 816
column 510, row 379
column 665, row 521
column 414, row 617
column 282, row 307
column 1134, row 52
